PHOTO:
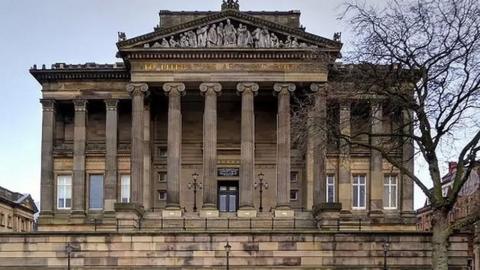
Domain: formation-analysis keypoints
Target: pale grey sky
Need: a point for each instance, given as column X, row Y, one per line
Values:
column 50, row 31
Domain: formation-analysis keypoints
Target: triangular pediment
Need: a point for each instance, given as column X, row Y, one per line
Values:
column 229, row 29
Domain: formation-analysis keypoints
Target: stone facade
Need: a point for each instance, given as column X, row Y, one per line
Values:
column 16, row 211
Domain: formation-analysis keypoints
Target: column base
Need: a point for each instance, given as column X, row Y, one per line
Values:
column 172, row 213
column 209, row 213
column 247, row 213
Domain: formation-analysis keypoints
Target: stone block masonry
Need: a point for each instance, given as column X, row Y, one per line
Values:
column 256, row 250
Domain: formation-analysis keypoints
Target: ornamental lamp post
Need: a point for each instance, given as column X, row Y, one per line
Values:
column 69, row 250
column 195, row 186
column 386, row 245
column 227, row 251
column 261, row 186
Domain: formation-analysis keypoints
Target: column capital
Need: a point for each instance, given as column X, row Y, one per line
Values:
column 247, row 87
column 320, row 88
column 80, row 105
column 136, row 89
column 211, row 88
column 48, row 105
column 284, row 88
column 174, row 88
column 111, row 104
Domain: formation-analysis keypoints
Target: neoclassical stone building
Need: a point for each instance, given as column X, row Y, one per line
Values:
column 208, row 95
column 184, row 156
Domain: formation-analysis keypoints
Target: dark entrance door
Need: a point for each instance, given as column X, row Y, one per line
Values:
column 228, row 196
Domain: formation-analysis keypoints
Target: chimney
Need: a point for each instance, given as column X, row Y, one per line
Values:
column 452, row 166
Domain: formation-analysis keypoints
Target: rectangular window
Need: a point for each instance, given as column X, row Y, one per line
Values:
column 9, row 222
column 64, row 192
column 330, row 188
column 162, row 195
column 162, row 177
column 96, row 192
column 125, row 189
column 293, row 195
column 294, row 177
column 359, row 191
column 390, row 192
column 2, row 220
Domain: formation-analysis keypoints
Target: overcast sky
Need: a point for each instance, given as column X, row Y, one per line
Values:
column 51, row 31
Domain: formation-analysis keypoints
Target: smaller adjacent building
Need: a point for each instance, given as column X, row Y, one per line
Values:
column 467, row 202
column 16, row 211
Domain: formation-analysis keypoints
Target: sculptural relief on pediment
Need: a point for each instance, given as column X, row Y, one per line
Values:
column 229, row 34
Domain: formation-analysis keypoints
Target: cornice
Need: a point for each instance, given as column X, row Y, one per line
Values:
column 215, row 53
column 64, row 72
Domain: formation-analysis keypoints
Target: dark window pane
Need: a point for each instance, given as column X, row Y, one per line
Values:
column 96, row 191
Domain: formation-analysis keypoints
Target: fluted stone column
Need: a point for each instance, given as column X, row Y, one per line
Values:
column 344, row 172
column 247, row 152
column 79, row 145
column 408, row 159
column 376, row 161
column 147, row 159
column 138, row 92
column 47, row 197
column 283, row 149
column 210, row 91
column 174, row 92
column 111, row 139
column 319, row 141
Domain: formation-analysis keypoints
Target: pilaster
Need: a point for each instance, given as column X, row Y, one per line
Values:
column 247, row 151
column 317, row 131
column 79, row 145
column 111, row 139
column 344, row 170
column 376, row 161
column 210, row 91
column 408, row 155
column 47, row 181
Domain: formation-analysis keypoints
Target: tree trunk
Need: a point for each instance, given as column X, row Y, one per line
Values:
column 440, row 239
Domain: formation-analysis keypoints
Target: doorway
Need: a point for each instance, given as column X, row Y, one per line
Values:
column 228, row 196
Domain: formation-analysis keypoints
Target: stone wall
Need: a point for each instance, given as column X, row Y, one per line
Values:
column 250, row 250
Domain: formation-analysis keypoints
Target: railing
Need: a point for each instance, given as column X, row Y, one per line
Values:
column 224, row 224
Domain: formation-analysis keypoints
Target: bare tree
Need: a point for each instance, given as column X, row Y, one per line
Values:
column 421, row 60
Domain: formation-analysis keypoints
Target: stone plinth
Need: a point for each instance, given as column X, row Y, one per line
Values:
column 172, row 213
column 209, row 213
column 246, row 213
column 203, row 250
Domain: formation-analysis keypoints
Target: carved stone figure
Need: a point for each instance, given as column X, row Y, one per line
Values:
column 264, row 39
column 165, row 43
column 256, row 37
column 230, row 35
column 192, row 39
column 202, row 36
column 173, row 42
column 184, row 41
column 220, row 35
column 157, row 45
column 295, row 43
column 288, row 42
column 122, row 36
column 243, row 35
column 274, row 42
column 212, row 36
